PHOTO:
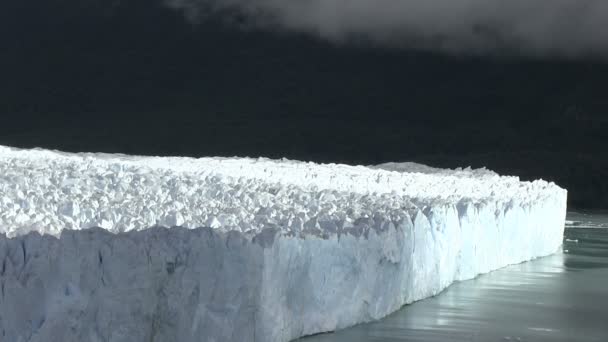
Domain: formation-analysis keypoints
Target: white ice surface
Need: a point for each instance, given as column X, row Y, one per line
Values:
column 49, row 191
column 289, row 248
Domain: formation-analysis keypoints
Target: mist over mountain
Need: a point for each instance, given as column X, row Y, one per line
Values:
column 526, row 27
column 139, row 77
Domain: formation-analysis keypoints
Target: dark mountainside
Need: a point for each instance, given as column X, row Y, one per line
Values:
column 134, row 77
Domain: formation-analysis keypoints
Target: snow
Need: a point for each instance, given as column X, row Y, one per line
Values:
column 266, row 250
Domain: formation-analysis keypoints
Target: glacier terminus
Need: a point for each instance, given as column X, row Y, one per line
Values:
column 101, row 247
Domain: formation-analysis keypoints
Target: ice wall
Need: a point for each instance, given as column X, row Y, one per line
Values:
column 291, row 248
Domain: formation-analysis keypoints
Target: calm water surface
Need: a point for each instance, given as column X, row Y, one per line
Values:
column 563, row 297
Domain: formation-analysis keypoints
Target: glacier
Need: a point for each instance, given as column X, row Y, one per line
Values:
column 108, row 247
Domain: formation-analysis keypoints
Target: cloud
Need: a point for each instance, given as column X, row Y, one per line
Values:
column 568, row 28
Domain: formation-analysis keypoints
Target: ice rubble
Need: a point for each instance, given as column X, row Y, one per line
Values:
column 286, row 248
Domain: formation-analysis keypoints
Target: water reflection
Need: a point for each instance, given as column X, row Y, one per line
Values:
column 558, row 298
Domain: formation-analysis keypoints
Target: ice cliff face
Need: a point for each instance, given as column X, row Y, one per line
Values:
column 287, row 248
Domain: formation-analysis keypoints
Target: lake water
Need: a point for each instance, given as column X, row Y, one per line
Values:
column 563, row 297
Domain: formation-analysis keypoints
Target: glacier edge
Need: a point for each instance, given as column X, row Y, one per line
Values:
column 205, row 284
